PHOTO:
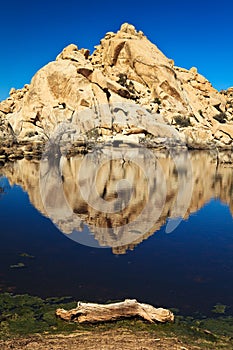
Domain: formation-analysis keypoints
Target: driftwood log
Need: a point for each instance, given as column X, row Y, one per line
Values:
column 90, row 312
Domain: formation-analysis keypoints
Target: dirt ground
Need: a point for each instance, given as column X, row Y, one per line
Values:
column 108, row 340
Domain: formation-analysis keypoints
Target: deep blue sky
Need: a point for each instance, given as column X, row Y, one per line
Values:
column 193, row 33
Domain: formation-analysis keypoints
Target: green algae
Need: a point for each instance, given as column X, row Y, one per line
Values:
column 24, row 314
column 19, row 265
column 26, row 255
column 219, row 309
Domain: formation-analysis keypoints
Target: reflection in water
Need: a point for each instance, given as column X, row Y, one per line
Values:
column 124, row 196
column 4, row 186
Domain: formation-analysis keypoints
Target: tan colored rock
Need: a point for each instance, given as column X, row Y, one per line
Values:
column 7, row 136
column 6, row 106
column 199, row 138
column 71, row 52
column 125, row 68
column 193, row 70
column 12, row 91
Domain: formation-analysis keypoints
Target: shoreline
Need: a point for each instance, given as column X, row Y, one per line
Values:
column 29, row 322
column 37, row 150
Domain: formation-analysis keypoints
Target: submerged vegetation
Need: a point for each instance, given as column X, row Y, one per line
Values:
column 219, row 309
column 23, row 315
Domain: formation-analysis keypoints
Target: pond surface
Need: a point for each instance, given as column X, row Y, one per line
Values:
column 56, row 216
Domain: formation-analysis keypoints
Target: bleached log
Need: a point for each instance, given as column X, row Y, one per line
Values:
column 91, row 312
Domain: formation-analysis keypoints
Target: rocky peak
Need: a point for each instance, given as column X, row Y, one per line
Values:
column 126, row 69
column 128, row 29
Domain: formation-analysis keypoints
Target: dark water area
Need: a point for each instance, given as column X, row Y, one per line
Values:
column 190, row 268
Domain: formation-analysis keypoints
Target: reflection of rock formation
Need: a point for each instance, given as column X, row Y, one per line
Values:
column 125, row 195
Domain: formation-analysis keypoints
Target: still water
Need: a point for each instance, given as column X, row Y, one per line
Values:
column 102, row 228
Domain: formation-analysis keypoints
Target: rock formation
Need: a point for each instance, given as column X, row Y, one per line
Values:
column 126, row 88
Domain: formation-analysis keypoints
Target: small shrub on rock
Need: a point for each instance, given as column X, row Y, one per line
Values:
column 182, row 121
column 221, row 117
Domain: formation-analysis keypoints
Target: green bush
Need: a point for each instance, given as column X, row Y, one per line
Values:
column 182, row 121
column 221, row 117
column 157, row 100
column 127, row 84
column 122, row 79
